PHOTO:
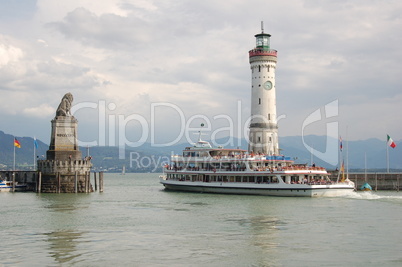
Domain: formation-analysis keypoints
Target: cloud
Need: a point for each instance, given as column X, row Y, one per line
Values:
column 41, row 111
column 105, row 31
column 9, row 54
column 194, row 55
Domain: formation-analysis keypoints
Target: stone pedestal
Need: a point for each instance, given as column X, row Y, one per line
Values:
column 63, row 142
column 64, row 170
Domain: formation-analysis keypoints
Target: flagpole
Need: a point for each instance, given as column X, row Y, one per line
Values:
column 386, row 143
column 14, row 154
column 34, row 148
column 340, row 159
column 365, row 167
column 347, row 154
column 312, row 154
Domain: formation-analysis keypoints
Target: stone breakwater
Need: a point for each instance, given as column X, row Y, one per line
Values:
column 377, row 180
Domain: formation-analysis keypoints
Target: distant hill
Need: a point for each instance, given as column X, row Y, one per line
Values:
column 24, row 156
column 148, row 158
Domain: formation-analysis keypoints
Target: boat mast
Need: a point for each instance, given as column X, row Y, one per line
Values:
column 347, row 154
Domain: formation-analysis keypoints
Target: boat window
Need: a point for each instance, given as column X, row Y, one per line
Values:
column 259, row 101
column 294, row 179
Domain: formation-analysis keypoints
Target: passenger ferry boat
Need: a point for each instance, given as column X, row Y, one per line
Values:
column 261, row 171
column 202, row 168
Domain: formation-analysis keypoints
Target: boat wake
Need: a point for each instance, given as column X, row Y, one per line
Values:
column 370, row 195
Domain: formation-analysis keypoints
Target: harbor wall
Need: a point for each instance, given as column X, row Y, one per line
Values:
column 377, row 180
column 56, row 182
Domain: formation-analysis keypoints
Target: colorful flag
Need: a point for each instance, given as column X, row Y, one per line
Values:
column 340, row 143
column 390, row 142
column 17, row 143
column 35, row 143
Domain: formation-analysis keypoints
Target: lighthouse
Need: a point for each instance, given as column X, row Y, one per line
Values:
column 263, row 135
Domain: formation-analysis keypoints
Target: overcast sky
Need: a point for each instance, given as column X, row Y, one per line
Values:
column 153, row 63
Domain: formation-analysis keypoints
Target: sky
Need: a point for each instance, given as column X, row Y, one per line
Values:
column 154, row 70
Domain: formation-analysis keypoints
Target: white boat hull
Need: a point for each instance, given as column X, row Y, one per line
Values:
column 18, row 188
column 281, row 189
column 7, row 186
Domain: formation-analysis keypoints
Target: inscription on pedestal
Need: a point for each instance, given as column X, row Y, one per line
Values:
column 64, row 134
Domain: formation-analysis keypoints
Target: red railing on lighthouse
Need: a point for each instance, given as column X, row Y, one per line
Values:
column 262, row 52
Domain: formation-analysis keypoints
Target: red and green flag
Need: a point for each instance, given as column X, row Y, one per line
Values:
column 390, row 142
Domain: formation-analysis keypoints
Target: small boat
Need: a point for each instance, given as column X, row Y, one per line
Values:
column 7, row 186
column 366, row 187
column 202, row 168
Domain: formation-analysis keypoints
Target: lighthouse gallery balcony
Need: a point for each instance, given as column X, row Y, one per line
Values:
column 262, row 52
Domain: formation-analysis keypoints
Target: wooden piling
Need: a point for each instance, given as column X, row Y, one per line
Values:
column 75, row 182
column 95, row 181
column 89, row 182
column 85, row 183
column 100, row 181
column 58, row 182
column 13, row 188
column 39, row 185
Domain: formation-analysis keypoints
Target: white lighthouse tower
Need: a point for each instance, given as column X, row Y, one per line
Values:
column 263, row 136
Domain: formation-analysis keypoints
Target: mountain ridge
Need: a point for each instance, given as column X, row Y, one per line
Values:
column 148, row 158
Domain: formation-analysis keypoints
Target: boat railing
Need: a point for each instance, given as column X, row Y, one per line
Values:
column 243, row 168
column 248, row 157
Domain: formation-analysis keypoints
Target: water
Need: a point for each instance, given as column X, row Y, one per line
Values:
column 136, row 223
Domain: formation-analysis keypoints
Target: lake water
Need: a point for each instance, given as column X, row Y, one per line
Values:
column 134, row 222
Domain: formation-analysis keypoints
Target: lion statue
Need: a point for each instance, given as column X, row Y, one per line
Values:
column 65, row 105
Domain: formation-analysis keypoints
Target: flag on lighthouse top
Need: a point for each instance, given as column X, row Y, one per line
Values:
column 390, row 142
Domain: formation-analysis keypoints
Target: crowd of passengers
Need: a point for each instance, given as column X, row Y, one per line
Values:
column 208, row 168
column 312, row 181
column 274, row 180
column 241, row 168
